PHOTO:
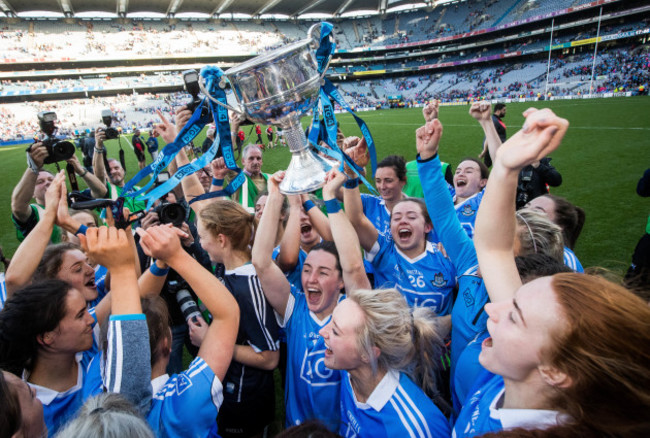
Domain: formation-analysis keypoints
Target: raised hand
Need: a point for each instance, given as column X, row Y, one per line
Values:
column 357, row 149
column 39, row 153
column 198, row 330
column 430, row 110
column 334, row 180
column 182, row 116
column 541, row 134
column 109, row 247
column 219, row 169
column 53, row 194
column 480, row 111
column 162, row 242
column 427, row 139
column 166, row 129
column 273, row 183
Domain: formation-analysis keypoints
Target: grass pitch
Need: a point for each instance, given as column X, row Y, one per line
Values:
column 603, row 155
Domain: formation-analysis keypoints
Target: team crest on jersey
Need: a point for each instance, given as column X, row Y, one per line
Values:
column 439, row 280
column 182, row 384
column 467, row 210
column 468, row 298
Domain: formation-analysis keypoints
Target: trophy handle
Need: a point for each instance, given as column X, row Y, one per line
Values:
column 225, row 105
column 314, row 34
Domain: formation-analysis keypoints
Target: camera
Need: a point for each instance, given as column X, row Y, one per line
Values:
column 58, row 150
column 171, row 213
column 189, row 308
column 191, row 79
column 525, row 177
column 107, row 119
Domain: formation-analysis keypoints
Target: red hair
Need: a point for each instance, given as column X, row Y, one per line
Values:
column 605, row 350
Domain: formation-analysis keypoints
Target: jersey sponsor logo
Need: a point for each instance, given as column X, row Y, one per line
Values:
column 439, row 280
column 467, row 211
column 183, row 383
column 468, row 298
column 313, row 369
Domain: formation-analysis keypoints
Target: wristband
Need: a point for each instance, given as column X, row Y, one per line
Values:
column 332, row 206
column 217, row 182
column 308, row 205
column 100, row 150
column 82, row 230
column 158, row 272
column 352, row 183
column 84, row 174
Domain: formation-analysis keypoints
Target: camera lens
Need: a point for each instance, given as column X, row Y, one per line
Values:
column 189, row 308
column 172, row 214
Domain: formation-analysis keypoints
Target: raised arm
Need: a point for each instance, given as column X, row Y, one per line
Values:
column 24, row 190
column 97, row 188
column 496, row 223
column 275, row 285
column 287, row 258
column 319, row 220
column 129, row 367
column 218, row 345
column 439, row 203
column 481, row 112
column 99, row 169
column 191, row 185
column 30, row 252
column 345, row 237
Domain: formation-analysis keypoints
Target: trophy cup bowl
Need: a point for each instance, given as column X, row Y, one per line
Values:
column 278, row 88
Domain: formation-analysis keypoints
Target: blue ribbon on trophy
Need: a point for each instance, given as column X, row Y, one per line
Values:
column 324, row 52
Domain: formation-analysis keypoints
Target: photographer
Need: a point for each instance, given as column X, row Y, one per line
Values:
column 34, row 184
column 174, row 283
column 138, row 147
column 533, row 181
column 116, row 175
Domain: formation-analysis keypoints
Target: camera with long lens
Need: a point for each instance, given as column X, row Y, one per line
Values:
column 523, row 196
column 188, row 306
column 107, row 119
column 81, row 201
column 171, row 213
column 58, row 150
column 191, row 79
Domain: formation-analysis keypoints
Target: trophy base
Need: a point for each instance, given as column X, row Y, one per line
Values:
column 306, row 172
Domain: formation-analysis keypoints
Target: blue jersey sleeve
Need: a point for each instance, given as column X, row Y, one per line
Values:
column 443, row 215
column 188, row 404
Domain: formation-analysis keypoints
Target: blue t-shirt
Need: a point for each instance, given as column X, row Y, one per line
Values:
column 187, row 404
column 468, row 317
column 427, row 280
column 61, row 407
column 312, row 391
column 482, row 413
column 468, row 368
column 571, row 260
column 397, row 407
column 295, row 275
column 374, row 208
column 466, row 212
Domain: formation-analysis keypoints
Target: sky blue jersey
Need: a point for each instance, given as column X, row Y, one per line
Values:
column 482, row 413
column 466, row 212
column 186, row 404
column 295, row 275
column 427, row 280
column 396, row 408
column 468, row 317
column 571, row 260
column 61, row 407
column 311, row 390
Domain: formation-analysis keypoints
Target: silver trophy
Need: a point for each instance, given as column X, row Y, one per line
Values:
column 278, row 88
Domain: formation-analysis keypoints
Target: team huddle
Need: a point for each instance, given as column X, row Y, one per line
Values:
column 443, row 306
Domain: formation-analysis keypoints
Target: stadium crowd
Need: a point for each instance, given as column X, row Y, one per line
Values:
column 450, row 304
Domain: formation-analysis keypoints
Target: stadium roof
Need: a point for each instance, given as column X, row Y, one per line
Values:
column 214, row 8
